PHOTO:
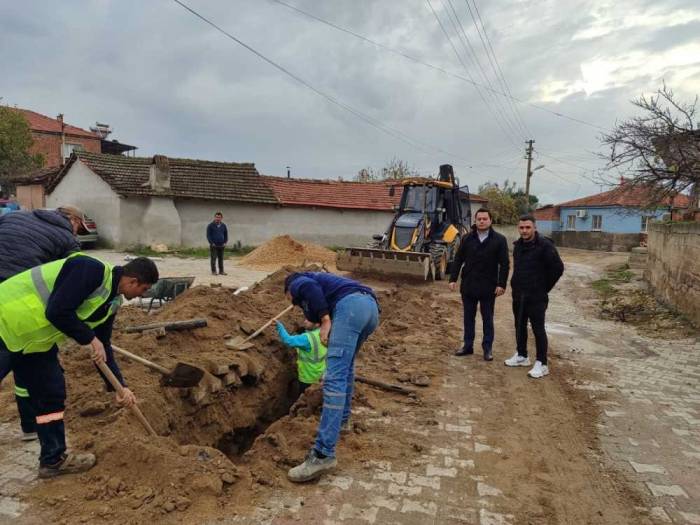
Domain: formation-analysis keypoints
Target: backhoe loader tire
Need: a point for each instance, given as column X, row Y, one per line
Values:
column 438, row 253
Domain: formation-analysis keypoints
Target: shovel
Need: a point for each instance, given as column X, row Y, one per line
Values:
column 241, row 343
column 118, row 388
column 182, row 376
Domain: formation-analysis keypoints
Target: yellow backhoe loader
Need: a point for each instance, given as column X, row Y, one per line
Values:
column 424, row 234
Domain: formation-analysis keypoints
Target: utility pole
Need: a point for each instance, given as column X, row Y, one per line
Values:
column 528, row 152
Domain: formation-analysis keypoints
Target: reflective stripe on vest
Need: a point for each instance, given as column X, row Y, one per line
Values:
column 23, row 301
column 311, row 365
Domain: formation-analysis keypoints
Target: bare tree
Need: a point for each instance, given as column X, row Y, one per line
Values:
column 395, row 169
column 658, row 151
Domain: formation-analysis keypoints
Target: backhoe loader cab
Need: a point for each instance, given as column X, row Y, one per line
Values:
column 423, row 236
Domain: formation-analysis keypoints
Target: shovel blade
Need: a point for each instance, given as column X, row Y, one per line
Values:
column 238, row 343
column 183, row 376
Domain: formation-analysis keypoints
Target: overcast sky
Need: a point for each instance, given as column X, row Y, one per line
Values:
column 171, row 84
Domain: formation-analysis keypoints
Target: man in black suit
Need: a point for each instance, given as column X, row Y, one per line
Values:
column 483, row 260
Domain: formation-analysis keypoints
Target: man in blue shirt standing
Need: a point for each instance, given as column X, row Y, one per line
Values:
column 217, row 235
column 352, row 311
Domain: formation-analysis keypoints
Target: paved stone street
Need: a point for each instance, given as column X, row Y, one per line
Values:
column 19, row 470
column 650, row 427
column 442, row 485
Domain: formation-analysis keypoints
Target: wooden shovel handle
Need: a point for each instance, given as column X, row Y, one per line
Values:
column 119, row 388
column 259, row 330
column 139, row 359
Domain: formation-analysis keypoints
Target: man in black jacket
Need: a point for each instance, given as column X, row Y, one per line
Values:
column 483, row 254
column 28, row 239
column 536, row 269
column 217, row 236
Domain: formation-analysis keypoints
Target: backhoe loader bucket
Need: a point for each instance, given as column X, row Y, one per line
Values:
column 386, row 262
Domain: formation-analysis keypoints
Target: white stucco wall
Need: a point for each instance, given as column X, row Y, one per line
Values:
column 254, row 224
column 81, row 187
column 132, row 210
column 160, row 223
column 128, row 221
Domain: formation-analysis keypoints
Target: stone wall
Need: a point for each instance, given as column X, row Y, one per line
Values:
column 600, row 241
column 673, row 267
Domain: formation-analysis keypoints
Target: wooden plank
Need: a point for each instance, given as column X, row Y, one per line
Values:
column 170, row 326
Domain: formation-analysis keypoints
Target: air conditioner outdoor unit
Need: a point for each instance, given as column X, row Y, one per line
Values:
column 581, row 214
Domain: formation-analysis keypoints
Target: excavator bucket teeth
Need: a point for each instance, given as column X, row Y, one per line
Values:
column 386, row 262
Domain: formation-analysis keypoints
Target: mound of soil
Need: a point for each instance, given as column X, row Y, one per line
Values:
column 284, row 250
column 218, row 453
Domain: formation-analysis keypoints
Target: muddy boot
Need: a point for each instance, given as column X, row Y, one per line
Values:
column 346, row 426
column 312, row 467
column 72, row 463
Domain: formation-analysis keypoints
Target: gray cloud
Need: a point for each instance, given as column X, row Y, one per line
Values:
column 170, row 84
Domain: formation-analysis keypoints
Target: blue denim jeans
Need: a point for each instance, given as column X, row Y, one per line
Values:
column 355, row 317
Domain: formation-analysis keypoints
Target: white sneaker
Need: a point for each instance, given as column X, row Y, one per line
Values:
column 539, row 370
column 517, row 360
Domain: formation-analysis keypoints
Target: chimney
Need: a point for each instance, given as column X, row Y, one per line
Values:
column 59, row 117
column 289, row 172
column 159, row 174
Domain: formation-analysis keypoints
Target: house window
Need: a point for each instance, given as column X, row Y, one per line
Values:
column 68, row 149
column 645, row 223
column 597, row 223
column 571, row 222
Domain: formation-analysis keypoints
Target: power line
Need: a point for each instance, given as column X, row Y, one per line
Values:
column 359, row 114
column 583, row 169
column 459, row 58
column 494, row 62
column 472, row 55
column 406, row 56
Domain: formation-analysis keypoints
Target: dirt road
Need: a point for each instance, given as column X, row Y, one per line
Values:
column 482, row 444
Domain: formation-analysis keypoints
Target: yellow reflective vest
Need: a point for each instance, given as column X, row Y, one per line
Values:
column 311, row 365
column 23, row 301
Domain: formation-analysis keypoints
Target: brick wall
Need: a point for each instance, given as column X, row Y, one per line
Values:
column 49, row 145
column 673, row 266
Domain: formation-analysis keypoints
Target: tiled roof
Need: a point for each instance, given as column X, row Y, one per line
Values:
column 547, row 213
column 40, row 176
column 624, row 195
column 334, row 194
column 188, row 178
column 339, row 194
column 42, row 123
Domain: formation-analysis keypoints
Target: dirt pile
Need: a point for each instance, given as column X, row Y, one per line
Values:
column 284, row 250
column 639, row 308
column 223, row 451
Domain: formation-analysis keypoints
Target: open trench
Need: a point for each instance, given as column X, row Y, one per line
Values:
column 231, row 419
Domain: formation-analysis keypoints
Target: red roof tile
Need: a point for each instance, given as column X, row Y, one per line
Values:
column 339, row 194
column 624, row 195
column 547, row 213
column 42, row 123
column 334, row 194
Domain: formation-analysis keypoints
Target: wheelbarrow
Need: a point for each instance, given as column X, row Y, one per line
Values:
column 167, row 288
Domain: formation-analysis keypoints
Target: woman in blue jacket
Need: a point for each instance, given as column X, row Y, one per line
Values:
column 348, row 313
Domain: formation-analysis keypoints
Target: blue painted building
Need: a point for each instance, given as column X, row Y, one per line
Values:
column 614, row 220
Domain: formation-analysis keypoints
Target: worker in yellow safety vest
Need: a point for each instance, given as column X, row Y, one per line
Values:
column 311, row 353
column 78, row 298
